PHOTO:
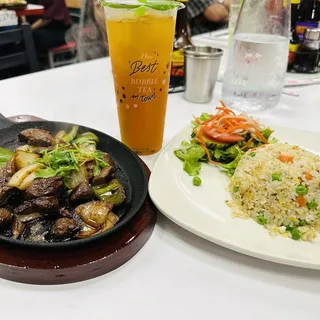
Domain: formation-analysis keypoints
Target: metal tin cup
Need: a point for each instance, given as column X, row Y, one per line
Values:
column 201, row 68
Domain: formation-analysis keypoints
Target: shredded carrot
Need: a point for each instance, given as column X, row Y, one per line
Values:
column 247, row 144
column 211, row 118
column 301, row 201
column 308, row 175
column 196, row 120
column 197, row 140
column 227, row 127
column 224, row 106
column 199, row 134
column 285, row 158
column 209, row 157
column 261, row 137
column 234, row 127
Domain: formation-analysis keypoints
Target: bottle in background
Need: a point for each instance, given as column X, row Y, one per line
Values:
column 294, row 38
column 258, row 56
column 181, row 39
column 309, row 16
column 308, row 57
column 234, row 13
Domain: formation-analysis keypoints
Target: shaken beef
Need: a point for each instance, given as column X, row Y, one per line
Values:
column 3, row 173
column 66, row 213
column 90, row 169
column 82, row 192
column 41, row 205
column 105, row 175
column 5, row 217
column 107, row 158
column 6, row 192
column 8, row 170
column 37, row 137
column 44, row 187
column 64, row 228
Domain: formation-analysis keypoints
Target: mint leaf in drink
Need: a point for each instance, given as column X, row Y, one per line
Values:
column 140, row 12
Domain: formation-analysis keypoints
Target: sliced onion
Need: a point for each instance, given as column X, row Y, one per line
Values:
column 22, row 174
column 25, row 184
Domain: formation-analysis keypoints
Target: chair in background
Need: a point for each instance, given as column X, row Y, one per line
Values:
column 63, row 55
column 66, row 54
column 24, row 53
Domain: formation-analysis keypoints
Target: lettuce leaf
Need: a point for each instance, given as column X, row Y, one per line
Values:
column 191, row 155
column 204, row 117
column 231, row 166
column 192, row 168
column 267, row 133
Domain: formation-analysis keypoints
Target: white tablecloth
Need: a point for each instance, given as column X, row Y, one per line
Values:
column 176, row 275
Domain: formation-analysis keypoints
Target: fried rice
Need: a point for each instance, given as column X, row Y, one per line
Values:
column 278, row 186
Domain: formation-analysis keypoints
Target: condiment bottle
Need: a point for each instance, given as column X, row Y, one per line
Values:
column 294, row 38
column 309, row 16
column 308, row 56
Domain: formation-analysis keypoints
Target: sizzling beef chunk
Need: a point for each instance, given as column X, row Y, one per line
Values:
column 90, row 169
column 36, row 137
column 41, row 205
column 64, row 228
column 5, row 191
column 5, row 217
column 66, row 213
column 8, row 170
column 108, row 159
column 82, row 192
column 105, row 175
column 45, row 187
column 3, row 173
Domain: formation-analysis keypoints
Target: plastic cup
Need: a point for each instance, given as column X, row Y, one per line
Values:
column 140, row 38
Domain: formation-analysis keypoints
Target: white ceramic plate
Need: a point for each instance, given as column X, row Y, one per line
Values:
column 203, row 211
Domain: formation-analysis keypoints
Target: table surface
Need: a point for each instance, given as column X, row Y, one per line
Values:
column 176, row 275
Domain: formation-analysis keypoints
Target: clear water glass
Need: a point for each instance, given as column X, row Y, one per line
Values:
column 258, row 56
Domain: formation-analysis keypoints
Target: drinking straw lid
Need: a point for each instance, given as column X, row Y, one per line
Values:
column 153, row 4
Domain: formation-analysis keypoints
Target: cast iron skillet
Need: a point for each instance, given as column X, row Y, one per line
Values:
column 129, row 171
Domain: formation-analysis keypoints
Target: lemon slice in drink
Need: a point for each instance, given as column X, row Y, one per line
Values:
column 152, row 4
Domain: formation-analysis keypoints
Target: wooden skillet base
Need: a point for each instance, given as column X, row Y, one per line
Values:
column 83, row 263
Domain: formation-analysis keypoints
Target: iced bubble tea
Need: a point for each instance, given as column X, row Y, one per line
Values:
column 140, row 37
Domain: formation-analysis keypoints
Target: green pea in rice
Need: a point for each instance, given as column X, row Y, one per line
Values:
column 284, row 197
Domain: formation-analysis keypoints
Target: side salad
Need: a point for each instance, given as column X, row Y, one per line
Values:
column 221, row 139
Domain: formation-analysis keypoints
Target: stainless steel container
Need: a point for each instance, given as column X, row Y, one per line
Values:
column 201, row 68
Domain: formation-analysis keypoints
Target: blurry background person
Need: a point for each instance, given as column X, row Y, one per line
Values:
column 91, row 33
column 49, row 31
column 208, row 15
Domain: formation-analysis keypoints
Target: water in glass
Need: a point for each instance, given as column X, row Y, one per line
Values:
column 258, row 56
